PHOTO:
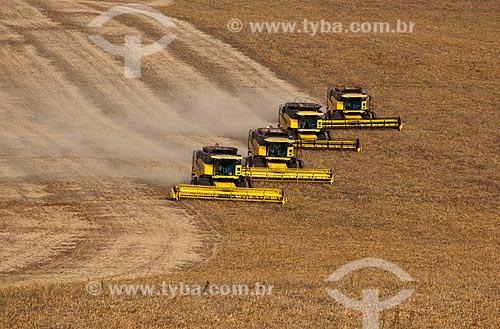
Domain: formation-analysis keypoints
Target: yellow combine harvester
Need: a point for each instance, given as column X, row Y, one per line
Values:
column 350, row 107
column 218, row 174
column 304, row 120
column 271, row 156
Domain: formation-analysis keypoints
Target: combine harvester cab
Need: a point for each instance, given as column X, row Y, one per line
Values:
column 350, row 107
column 271, row 156
column 217, row 174
column 304, row 121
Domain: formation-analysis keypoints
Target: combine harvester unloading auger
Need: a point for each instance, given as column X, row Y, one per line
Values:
column 304, row 120
column 217, row 174
column 271, row 156
column 350, row 107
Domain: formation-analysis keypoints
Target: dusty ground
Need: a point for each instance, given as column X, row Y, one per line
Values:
column 87, row 157
column 82, row 146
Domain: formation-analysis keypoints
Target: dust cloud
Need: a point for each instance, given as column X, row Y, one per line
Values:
column 70, row 111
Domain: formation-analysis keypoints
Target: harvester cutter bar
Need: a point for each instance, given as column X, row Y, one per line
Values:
column 289, row 174
column 363, row 123
column 187, row 191
column 353, row 145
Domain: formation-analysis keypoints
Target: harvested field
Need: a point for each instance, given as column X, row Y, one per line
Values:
column 87, row 158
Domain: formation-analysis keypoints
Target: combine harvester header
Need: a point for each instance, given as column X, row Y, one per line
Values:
column 187, row 191
column 350, row 107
